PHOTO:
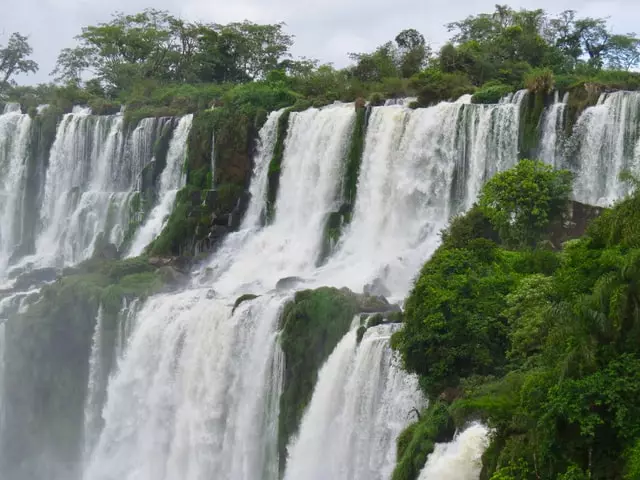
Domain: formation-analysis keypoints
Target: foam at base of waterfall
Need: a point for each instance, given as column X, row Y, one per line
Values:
column 459, row 460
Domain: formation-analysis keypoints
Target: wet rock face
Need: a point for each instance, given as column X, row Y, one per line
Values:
column 35, row 278
column 574, row 222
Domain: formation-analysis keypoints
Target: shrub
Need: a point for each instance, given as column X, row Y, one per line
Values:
column 521, row 202
column 540, row 80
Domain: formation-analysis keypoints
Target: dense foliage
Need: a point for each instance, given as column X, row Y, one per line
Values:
column 158, row 64
column 543, row 346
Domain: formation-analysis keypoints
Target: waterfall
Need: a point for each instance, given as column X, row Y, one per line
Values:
column 312, row 168
column 126, row 323
column 459, row 460
column 193, row 390
column 419, row 167
column 606, row 142
column 359, row 406
column 171, row 180
column 551, row 134
column 15, row 129
column 258, row 188
column 93, row 402
column 81, row 198
column 195, row 395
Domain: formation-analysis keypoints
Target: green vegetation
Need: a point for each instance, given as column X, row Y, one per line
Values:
column 521, row 202
column 158, row 65
column 312, row 325
column 417, row 441
column 542, row 346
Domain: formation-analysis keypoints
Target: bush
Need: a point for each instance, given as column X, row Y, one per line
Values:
column 540, row 80
column 491, row 93
column 521, row 202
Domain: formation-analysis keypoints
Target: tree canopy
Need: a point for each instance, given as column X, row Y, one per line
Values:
column 14, row 59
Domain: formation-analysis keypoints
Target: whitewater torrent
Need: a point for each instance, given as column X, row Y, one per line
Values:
column 312, row 169
column 196, row 396
column 459, row 460
column 90, row 176
column 360, row 405
column 193, row 392
column 418, row 169
column 552, row 131
column 178, row 404
column 93, row 402
column 171, row 180
column 15, row 129
column 258, row 187
column 608, row 142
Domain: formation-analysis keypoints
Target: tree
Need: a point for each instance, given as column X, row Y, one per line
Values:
column 373, row 67
column 521, row 202
column 454, row 326
column 594, row 37
column 623, row 52
column 154, row 45
column 14, row 59
column 413, row 52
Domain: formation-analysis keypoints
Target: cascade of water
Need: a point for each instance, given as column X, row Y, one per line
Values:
column 196, row 395
column 605, row 138
column 2, row 368
column 15, row 129
column 359, row 407
column 419, row 167
column 75, row 204
column 171, row 180
column 551, row 134
column 93, row 402
column 312, row 168
column 12, row 107
column 459, row 460
column 258, row 188
column 140, row 152
column 126, row 324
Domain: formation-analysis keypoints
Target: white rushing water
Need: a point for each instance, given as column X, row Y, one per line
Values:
column 360, row 404
column 196, row 395
column 312, row 168
column 171, row 180
column 459, row 460
column 419, row 167
column 552, row 132
column 92, row 408
column 191, row 393
column 15, row 129
column 258, row 187
column 92, row 172
column 607, row 141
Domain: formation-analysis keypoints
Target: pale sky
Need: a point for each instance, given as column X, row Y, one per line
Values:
column 325, row 29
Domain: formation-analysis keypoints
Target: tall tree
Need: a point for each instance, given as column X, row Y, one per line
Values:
column 413, row 52
column 14, row 59
column 623, row 52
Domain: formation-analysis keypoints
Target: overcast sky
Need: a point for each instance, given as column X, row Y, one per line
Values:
column 323, row 29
